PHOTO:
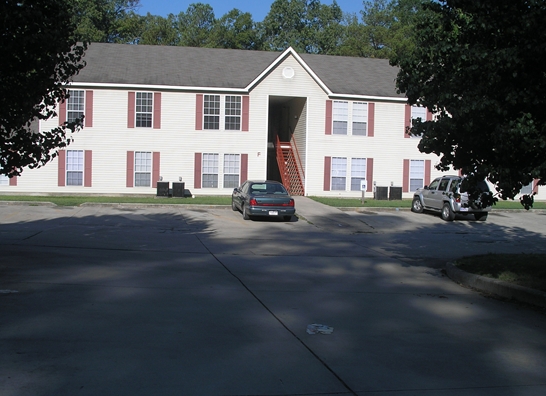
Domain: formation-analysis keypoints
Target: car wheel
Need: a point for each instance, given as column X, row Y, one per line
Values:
column 447, row 213
column 233, row 206
column 480, row 216
column 246, row 216
column 287, row 218
column 416, row 205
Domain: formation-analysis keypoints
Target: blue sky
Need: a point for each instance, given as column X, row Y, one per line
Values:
column 258, row 8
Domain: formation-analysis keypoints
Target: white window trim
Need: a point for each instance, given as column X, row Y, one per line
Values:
column 141, row 112
column 135, row 171
column 222, row 116
column 423, row 162
column 82, row 170
column 220, row 170
column 68, row 110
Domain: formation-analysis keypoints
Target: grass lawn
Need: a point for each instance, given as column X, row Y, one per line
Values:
column 404, row 203
column 75, row 200
column 527, row 270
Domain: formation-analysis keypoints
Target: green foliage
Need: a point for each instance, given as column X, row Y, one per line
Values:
column 107, row 21
column 479, row 65
column 40, row 53
column 235, row 30
column 157, row 30
column 195, row 26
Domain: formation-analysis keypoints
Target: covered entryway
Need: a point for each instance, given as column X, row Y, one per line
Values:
column 286, row 142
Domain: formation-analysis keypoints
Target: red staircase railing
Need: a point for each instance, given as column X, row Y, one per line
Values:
column 292, row 175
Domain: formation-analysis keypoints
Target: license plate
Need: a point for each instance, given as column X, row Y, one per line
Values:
column 464, row 209
column 273, row 213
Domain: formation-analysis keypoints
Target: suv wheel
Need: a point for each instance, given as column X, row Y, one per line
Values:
column 447, row 213
column 416, row 205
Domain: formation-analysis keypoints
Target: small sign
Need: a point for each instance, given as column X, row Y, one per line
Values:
column 363, row 185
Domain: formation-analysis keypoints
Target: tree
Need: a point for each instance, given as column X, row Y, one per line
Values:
column 479, row 66
column 157, row 30
column 196, row 25
column 107, row 21
column 39, row 55
column 235, row 30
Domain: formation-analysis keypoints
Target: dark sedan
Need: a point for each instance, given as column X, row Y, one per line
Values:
column 263, row 198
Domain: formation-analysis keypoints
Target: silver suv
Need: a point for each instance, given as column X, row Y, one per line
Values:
column 444, row 195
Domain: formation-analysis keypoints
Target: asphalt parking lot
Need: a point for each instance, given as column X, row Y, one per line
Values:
column 127, row 300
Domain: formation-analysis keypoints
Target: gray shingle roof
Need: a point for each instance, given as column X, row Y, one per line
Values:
column 223, row 68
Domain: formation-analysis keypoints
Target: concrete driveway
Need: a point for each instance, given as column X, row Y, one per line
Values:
column 197, row 301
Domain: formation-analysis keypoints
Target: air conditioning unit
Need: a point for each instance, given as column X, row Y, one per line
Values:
column 395, row 193
column 381, row 193
column 179, row 189
column 162, row 189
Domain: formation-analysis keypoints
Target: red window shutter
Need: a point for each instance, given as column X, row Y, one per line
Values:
column 197, row 171
column 130, row 168
column 131, row 111
column 427, row 172
column 405, row 177
column 198, row 112
column 88, row 122
column 371, row 120
column 157, row 110
column 369, row 174
column 156, row 163
column 88, row 171
column 13, row 181
column 328, row 122
column 246, row 112
column 407, row 120
column 429, row 115
column 244, row 168
column 62, row 112
column 61, row 161
column 327, row 171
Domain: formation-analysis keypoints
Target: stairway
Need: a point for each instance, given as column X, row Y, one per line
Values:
column 290, row 167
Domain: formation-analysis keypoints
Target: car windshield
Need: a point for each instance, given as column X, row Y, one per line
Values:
column 268, row 188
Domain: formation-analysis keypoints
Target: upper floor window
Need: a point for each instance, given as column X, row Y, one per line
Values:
column 144, row 109
column 418, row 112
column 211, row 111
column 75, row 107
column 233, row 113
column 340, row 117
column 360, row 118
column 222, row 112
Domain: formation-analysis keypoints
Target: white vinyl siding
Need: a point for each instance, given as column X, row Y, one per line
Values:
column 74, row 167
column 339, row 173
column 143, row 169
column 417, row 174
column 75, row 106
column 360, row 118
column 144, row 109
column 358, row 172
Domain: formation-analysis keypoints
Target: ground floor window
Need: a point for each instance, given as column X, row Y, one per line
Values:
column 74, row 167
column 210, row 170
column 417, row 174
column 232, row 166
column 143, row 169
column 4, row 180
column 339, row 173
column 358, row 172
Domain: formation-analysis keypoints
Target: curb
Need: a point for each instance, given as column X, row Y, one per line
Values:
column 496, row 287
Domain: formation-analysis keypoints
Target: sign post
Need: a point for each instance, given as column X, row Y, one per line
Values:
column 363, row 188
